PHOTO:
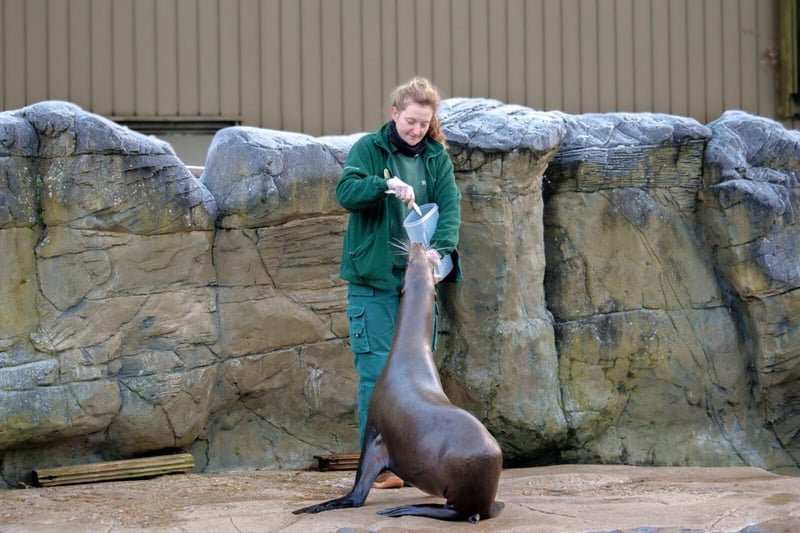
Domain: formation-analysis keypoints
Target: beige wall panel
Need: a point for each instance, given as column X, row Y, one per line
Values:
column 695, row 59
column 57, row 39
column 607, row 82
column 188, row 71
column 352, row 106
column 553, row 58
column 766, row 66
column 2, row 55
column 642, row 57
column 251, row 71
column 229, row 59
column 311, row 73
column 623, row 52
column 166, row 23
column 102, row 59
column 535, row 74
column 123, row 52
column 748, row 47
column 390, row 34
column 581, row 72
column 678, row 57
column 460, row 81
column 80, row 53
column 372, row 56
column 13, row 42
column 271, row 105
column 714, row 66
column 731, row 58
column 405, row 47
column 479, row 47
column 515, row 34
column 326, row 66
column 145, row 61
column 441, row 20
column 333, row 91
column 290, row 50
column 208, row 58
column 36, row 50
column 659, row 27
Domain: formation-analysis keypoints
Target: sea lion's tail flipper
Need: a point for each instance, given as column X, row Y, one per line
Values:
column 431, row 510
column 441, row 512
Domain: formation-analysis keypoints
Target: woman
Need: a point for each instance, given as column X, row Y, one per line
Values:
column 406, row 157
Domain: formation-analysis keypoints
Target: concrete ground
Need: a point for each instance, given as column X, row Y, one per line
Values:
column 566, row 498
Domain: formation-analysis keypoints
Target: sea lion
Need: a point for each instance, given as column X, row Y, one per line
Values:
column 412, row 428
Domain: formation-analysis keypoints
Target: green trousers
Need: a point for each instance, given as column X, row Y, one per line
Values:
column 372, row 314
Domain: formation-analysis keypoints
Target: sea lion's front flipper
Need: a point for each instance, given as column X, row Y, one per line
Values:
column 374, row 459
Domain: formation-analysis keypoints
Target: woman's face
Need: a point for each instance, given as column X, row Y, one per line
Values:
column 412, row 122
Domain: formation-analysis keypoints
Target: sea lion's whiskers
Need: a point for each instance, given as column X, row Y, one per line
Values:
column 401, row 245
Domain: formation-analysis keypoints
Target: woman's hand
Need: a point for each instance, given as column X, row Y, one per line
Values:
column 401, row 189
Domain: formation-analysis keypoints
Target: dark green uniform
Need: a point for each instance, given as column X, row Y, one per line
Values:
column 372, row 265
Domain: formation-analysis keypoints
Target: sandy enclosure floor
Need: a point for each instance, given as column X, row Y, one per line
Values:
column 566, row 498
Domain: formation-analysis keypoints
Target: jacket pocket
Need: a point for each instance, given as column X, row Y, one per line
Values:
column 359, row 342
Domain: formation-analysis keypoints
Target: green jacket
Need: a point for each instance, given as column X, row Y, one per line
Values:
column 361, row 189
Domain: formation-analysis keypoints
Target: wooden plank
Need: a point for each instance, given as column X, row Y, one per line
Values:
column 115, row 470
column 678, row 54
column 229, row 59
column 462, row 66
column 339, row 461
column 731, row 66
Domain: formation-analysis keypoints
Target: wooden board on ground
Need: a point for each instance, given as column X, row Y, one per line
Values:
column 337, row 461
column 114, row 470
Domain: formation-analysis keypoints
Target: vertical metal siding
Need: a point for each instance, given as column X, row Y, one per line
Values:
column 327, row 66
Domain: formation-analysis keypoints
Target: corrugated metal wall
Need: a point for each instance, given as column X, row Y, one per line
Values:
column 327, row 66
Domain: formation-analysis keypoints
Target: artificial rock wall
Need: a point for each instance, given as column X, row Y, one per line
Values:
column 630, row 291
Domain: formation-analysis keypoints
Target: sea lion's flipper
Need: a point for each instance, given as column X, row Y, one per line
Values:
column 431, row 510
column 374, row 459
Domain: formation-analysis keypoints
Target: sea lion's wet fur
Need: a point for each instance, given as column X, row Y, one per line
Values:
column 412, row 428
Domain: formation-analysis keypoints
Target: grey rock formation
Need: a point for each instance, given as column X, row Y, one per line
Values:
column 629, row 291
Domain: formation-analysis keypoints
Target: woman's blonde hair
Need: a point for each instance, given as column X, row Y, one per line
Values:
column 420, row 91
